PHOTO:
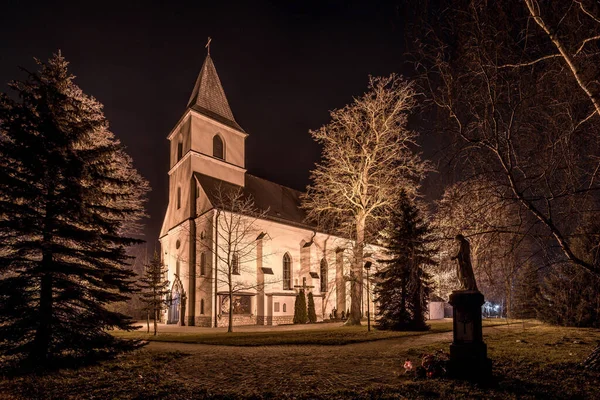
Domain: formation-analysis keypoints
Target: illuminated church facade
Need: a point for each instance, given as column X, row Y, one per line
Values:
column 207, row 154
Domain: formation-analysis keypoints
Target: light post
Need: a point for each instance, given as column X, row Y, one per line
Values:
column 368, row 267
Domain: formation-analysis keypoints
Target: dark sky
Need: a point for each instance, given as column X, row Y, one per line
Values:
column 283, row 65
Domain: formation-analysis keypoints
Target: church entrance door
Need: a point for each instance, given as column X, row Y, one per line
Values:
column 174, row 308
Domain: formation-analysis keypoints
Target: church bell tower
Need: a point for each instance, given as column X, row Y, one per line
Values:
column 206, row 140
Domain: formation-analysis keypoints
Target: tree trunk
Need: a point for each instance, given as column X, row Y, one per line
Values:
column 356, row 274
column 230, row 326
column 155, row 322
column 43, row 334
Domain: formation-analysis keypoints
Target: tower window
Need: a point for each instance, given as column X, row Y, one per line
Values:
column 178, row 198
column 179, row 150
column 287, row 272
column 218, row 147
column 202, row 306
column 177, row 268
column 202, row 264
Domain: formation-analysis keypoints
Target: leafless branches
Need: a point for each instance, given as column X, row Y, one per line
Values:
column 368, row 156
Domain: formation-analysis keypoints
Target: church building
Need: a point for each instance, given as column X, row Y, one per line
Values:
column 207, row 158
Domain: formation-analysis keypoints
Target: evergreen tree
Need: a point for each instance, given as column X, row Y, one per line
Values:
column 402, row 286
column 154, row 289
column 69, row 201
column 300, row 316
column 312, row 315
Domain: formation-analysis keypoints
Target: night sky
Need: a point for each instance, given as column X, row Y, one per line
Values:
column 283, row 66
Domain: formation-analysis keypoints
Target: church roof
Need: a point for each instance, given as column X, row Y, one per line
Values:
column 208, row 96
column 282, row 202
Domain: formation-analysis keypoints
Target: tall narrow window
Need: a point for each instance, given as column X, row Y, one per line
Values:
column 287, row 272
column 202, row 264
column 178, row 198
column 235, row 264
column 179, row 150
column 323, row 275
column 218, row 147
column 202, row 306
column 177, row 268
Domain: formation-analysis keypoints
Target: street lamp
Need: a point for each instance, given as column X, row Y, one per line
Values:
column 368, row 267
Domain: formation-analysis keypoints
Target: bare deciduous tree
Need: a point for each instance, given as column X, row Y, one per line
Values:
column 479, row 210
column 236, row 247
column 517, row 115
column 368, row 155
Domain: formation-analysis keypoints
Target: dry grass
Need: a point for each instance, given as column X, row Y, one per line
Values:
column 317, row 337
column 538, row 362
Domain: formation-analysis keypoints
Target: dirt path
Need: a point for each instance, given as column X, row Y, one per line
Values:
column 293, row 369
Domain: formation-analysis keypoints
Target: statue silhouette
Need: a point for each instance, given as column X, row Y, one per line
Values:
column 464, row 268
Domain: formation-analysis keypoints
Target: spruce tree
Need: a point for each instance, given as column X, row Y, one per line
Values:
column 154, row 289
column 312, row 315
column 300, row 316
column 70, row 200
column 402, row 287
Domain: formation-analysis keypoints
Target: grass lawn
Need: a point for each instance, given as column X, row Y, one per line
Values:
column 322, row 337
column 538, row 362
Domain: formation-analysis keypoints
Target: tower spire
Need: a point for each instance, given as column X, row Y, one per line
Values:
column 208, row 96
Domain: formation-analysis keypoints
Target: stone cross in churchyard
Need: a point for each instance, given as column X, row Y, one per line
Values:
column 304, row 286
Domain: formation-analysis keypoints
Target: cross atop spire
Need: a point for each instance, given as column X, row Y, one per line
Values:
column 208, row 96
column 208, row 46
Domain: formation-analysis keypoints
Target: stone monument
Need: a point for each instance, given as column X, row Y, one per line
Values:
column 468, row 352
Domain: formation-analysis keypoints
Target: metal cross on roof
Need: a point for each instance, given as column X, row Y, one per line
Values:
column 208, row 45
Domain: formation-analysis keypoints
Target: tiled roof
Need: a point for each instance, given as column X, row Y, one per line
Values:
column 282, row 202
column 208, row 96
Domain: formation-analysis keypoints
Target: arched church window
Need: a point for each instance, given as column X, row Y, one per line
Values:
column 179, row 150
column 323, row 275
column 287, row 272
column 284, row 307
column 218, row 147
column 235, row 264
column 202, row 264
column 177, row 267
column 178, row 198
column 202, row 306
column 177, row 244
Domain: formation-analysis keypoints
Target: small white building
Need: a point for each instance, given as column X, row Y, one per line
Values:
column 207, row 148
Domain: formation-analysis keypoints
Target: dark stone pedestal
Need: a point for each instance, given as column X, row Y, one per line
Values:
column 468, row 352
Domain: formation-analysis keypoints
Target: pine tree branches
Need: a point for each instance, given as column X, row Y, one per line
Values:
column 69, row 202
column 402, row 287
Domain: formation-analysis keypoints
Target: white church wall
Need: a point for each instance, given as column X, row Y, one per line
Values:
column 180, row 135
column 204, row 275
column 203, row 129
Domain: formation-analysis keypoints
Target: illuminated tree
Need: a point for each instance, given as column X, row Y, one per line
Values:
column 154, row 289
column 519, row 107
column 479, row 210
column 514, row 84
column 402, row 286
column 368, row 156
column 69, row 201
